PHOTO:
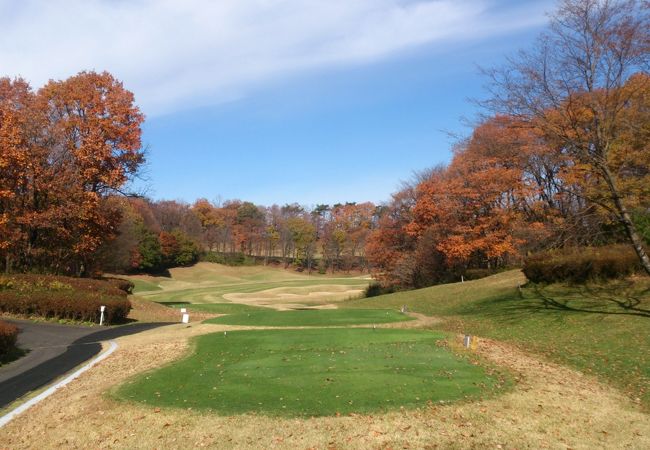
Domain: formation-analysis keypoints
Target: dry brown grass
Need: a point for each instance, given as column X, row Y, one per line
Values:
column 550, row 407
column 147, row 311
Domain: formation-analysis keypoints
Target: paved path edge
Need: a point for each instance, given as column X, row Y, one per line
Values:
column 52, row 389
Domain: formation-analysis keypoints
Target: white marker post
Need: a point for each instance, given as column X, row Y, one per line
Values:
column 101, row 316
column 185, row 317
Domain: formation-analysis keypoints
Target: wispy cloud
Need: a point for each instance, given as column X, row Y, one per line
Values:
column 182, row 53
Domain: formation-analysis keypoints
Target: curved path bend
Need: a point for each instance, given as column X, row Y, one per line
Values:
column 54, row 350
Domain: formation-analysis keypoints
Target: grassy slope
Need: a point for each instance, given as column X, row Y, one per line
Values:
column 208, row 282
column 599, row 329
column 215, row 293
column 313, row 372
column 315, row 317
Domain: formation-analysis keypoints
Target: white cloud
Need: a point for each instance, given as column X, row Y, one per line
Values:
column 184, row 53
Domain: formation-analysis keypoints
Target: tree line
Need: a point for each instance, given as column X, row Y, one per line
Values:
column 155, row 235
column 560, row 158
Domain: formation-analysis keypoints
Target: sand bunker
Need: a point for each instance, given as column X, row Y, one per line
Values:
column 305, row 295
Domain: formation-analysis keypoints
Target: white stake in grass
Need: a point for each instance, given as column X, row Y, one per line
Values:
column 101, row 316
column 185, row 317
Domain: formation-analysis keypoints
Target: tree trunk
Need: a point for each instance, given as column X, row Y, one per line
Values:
column 626, row 220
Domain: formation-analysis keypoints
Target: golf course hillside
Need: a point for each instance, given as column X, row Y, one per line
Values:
column 340, row 361
column 389, row 371
column 208, row 286
column 599, row 328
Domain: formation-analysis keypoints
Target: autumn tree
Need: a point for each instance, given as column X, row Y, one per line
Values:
column 249, row 227
column 303, row 236
column 16, row 159
column 210, row 222
column 70, row 146
column 581, row 85
column 389, row 248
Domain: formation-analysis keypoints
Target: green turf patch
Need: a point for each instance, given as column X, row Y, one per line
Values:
column 314, row 372
column 216, row 308
column 312, row 317
column 598, row 328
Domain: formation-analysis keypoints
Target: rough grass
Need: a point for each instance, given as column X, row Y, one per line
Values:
column 601, row 329
column 312, row 317
column 313, row 373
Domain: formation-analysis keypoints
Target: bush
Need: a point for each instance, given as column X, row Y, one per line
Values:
column 477, row 274
column 64, row 297
column 8, row 336
column 375, row 289
column 123, row 285
column 232, row 259
column 581, row 264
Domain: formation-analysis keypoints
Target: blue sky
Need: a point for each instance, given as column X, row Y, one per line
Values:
column 281, row 101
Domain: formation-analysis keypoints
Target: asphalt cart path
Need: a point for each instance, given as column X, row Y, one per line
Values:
column 53, row 351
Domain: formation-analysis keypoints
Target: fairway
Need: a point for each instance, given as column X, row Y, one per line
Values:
column 314, row 317
column 315, row 372
column 210, row 283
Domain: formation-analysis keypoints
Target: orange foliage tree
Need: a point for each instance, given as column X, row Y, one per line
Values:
column 70, row 146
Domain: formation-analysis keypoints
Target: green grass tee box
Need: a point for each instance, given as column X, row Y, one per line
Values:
column 313, row 372
column 312, row 317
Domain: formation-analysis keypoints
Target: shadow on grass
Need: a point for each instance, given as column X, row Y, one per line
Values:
column 613, row 299
column 172, row 304
column 596, row 300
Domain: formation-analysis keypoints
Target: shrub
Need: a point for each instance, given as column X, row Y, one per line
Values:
column 123, row 285
column 8, row 336
column 581, row 264
column 477, row 274
column 63, row 297
column 232, row 259
column 375, row 289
